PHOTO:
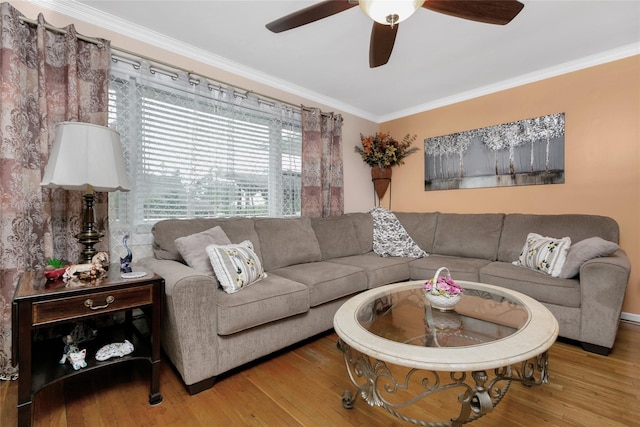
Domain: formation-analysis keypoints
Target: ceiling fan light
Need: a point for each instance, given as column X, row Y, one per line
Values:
column 389, row 12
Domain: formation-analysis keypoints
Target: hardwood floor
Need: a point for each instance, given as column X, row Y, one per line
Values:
column 303, row 387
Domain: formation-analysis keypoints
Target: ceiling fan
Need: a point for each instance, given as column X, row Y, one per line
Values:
column 387, row 14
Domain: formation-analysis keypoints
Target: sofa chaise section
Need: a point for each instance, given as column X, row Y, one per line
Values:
column 588, row 306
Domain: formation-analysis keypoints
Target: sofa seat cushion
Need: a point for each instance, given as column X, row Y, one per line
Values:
column 326, row 281
column 540, row 286
column 271, row 299
column 459, row 268
column 380, row 270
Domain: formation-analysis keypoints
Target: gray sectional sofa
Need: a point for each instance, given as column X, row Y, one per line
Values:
column 314, row 265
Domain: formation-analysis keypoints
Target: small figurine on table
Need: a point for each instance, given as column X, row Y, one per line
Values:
column 71, row 352
column 77, row 359
column 125, row 262
column 102, row 259
column 78, row 275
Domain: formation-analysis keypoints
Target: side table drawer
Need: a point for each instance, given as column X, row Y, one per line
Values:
column 96, row 303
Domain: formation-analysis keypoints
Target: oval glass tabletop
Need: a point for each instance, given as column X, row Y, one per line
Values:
column 491, row 327
column 405, row 316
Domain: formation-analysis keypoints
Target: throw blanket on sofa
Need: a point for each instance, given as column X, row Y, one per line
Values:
column 390, row 238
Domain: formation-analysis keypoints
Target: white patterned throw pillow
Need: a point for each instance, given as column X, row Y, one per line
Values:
column 390, row 238
column 544, row 254
column 236, row 266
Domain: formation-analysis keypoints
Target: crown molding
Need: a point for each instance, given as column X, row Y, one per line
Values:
column 93, row 16
column 546, row 73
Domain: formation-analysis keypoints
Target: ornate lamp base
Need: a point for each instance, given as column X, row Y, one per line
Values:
column 88, row 236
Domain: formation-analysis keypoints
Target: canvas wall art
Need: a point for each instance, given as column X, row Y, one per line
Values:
column 526, row 152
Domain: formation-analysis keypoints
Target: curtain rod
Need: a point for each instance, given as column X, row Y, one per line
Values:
column 191, row 72
column 33, row 22
column 155, row 61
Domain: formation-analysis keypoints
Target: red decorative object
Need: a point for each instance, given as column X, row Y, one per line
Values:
column 381, row 178
column 55, row 274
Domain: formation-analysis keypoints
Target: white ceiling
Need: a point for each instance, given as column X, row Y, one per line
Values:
column 437, row 59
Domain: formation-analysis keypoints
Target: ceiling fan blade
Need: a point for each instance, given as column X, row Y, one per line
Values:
column 310, row 14
column 382, row 39
column 499, row 12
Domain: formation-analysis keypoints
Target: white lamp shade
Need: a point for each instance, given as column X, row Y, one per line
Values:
column 379, row 10
column 86, row 156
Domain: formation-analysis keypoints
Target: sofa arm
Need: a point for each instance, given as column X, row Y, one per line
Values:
column 603, row 282
column 189, row 330
column 173, row 272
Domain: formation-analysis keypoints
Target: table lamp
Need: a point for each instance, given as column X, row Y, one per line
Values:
column 86, row 157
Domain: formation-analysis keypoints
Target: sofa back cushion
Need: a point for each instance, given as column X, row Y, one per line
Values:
column 167, row 231
column 336, row 236
column 420, row 226
column 363, row 224
column 287, row 241
column 469, row 235
column 575, row 226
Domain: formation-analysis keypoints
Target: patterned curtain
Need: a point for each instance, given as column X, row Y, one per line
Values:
column 46, row 77
column 322, row 176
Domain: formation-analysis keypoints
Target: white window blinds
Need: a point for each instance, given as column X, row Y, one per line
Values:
column 197, row 150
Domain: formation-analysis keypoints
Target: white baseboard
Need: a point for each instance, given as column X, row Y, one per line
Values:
column 631, row 317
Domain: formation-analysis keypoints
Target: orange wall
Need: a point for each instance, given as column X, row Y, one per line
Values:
column 602, row 153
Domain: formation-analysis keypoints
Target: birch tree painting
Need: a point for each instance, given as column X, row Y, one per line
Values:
column 526, row 152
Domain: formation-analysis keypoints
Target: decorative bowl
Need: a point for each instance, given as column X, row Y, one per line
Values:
column 442, row 302
column 442, row 292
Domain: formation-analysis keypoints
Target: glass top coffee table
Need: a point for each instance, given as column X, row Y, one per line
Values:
column 399, row 351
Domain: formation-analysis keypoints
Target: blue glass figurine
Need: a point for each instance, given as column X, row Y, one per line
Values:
column 125, row 263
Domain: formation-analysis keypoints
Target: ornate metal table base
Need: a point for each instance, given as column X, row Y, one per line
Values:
column 374, row 380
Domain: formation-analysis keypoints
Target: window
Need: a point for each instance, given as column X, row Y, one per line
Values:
column 198, row 150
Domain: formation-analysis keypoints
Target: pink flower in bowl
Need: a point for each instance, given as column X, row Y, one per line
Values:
column 443, row 286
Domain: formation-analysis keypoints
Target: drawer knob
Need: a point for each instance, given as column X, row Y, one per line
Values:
column 89, row 303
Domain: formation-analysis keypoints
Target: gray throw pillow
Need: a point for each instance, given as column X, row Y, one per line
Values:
column 583, row 251
column 193, row 248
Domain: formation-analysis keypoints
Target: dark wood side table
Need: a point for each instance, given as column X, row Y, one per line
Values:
column 39, row 303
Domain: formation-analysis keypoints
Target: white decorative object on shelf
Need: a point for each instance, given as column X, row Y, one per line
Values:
column 118, row 349
column 133, row 274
